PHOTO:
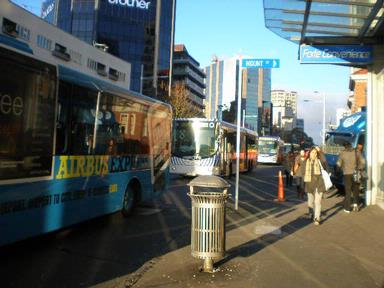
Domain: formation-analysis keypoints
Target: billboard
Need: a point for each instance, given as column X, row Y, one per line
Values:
column 340, row 54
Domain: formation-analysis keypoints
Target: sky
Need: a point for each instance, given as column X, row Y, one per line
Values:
column 236, row 27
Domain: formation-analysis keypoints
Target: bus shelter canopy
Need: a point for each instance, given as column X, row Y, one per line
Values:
column 326, row 21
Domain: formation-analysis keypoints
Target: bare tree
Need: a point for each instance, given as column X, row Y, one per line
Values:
column 181, row 103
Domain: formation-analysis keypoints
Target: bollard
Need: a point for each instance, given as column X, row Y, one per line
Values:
column 280, row 192
column 208, row 219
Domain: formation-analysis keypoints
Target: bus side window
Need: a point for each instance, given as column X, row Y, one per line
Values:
column 82, row 114
column 63, row 128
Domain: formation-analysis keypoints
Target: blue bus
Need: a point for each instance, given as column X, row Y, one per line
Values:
column 74, row 143
column 352, row 129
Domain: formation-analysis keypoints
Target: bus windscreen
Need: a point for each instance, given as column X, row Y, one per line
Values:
column 338, row 139
column 267, row 146
column 193, row 139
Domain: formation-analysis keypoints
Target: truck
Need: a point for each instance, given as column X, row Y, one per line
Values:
column 352, row 129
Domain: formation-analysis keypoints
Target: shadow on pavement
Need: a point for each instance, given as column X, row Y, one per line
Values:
column 110, row 247
column 255, row 245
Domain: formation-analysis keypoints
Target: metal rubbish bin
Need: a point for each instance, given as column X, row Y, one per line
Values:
column 208, row 218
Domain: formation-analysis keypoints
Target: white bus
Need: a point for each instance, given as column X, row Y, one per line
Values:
column 271, row 150
column 207, row 147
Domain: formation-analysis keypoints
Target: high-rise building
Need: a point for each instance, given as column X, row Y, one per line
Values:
column 221, row 92
column 284, row 109
column 214, row 89
column 138, row 31
column 300, row 123
column 48, row 11
column 187, row 71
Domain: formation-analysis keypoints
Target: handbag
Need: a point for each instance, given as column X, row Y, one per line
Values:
column 327, row 179
column 358, row 175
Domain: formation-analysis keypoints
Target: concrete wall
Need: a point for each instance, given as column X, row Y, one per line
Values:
column 375, row 133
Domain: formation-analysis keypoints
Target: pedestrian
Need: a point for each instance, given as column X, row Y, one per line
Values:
column 288, row 168
column 299, row 173
column 322, row 158
column 314, row 184
column 351, row 161
column 112, row 147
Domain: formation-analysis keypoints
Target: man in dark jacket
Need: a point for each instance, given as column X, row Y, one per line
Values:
column 349, row 161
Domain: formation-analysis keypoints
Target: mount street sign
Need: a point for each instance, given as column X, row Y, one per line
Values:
column 260, row 63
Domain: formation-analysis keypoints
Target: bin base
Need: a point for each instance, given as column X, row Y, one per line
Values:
column 208, row 265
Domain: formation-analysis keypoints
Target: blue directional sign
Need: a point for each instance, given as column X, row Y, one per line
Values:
column 340, row 54
column 261, row 63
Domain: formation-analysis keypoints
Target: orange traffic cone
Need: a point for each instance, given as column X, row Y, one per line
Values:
column 280, row 193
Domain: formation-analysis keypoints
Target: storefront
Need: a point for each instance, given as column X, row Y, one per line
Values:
column 349, row 29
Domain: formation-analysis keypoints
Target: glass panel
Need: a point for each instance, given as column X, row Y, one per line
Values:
column 337, row 8
column 338, row 139
column 183, row 139
column 344, row 18
column 83, row 121
column 27, row 101
column 160, row 134
column 194, row 139
column 267, row 146
column 123, row 126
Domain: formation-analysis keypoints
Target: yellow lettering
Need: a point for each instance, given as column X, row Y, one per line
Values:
column 112, row 188
column 73, row 161
column 104, row 165
column 80, row 169
column 90, row 165
column 98, row 165
column 63, row 170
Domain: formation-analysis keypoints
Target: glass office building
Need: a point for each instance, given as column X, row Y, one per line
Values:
column 138, row 31
column 48, row 11
column 221, row 92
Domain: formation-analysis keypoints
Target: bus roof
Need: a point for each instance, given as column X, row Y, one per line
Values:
column 228, row 125
column 234, row 127
column 37, row 38
column 79, row 63
column 270, row 138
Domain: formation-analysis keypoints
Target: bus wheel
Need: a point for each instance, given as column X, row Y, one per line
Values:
column 128, row 201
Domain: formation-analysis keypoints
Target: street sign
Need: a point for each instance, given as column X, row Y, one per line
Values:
column 261, row 63
column 340, row 54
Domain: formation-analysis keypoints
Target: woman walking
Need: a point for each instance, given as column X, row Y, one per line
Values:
column 299, row 173
column 314, row 183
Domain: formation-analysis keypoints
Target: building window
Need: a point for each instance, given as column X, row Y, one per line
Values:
column 92, row 64
column 44, row 42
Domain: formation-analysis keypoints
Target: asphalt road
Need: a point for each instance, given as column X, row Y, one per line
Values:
column 114, row 248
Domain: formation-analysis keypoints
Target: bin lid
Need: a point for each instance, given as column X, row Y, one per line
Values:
column 209, row 181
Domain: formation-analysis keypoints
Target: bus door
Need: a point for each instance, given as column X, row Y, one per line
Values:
column 251, row 152
column 243, row 152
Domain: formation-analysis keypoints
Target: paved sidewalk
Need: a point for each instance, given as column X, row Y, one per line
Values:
column 283, row 249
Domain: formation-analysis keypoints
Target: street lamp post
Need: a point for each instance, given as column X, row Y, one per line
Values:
column 323, row 132
column 324, row 128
